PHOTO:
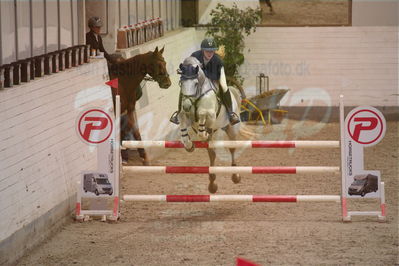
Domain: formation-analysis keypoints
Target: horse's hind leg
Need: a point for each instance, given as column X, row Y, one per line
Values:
column 124, row 135
column 232, row 133
column 137, row 136
column 213, row 187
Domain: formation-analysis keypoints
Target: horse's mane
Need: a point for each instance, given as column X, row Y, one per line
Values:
column 132, row 65
column 191, row 60
column 133, row 59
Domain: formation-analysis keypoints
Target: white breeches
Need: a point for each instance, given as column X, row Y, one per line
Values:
column 222, row 81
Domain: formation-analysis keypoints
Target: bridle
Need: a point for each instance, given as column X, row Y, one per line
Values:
column 156, row 78
column 187, row 72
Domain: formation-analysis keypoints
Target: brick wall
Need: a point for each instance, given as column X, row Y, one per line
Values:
column 40, row 154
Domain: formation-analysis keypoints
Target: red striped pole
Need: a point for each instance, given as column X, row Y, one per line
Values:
column 233, row 198
column 187, row 198
column 232, row 169
column 234, row 144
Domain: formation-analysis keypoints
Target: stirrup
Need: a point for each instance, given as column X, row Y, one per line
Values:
column 174, row 119
column 234, row 119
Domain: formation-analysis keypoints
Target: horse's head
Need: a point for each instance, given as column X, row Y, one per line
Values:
column 191, row 81
column 156, row 68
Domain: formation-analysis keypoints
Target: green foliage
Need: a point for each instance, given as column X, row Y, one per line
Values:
column 228, row 26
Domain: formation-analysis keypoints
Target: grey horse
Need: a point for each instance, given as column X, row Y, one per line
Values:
column 202, row 111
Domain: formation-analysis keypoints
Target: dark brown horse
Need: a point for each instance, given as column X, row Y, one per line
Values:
column 130, row 73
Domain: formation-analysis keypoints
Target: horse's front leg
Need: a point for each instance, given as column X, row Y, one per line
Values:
column 185, row 137
column 132, row 121
column 235, row 177
column 212, row 187
column 202, row 133
column 124, row 135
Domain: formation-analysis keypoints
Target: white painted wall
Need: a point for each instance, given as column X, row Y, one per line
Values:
column 41, row 155
column 375, row 13
column 319, row 63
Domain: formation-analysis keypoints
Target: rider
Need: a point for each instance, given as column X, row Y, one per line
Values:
column 212, row 65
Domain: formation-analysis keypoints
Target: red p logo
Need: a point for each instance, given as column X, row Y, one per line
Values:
column 101, row 124
column 366, row 123
column 366, row 126
column 95, row 126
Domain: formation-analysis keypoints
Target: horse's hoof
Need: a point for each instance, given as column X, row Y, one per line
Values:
column 213, row 188
column 236, row 178
column 204, row 136
column 190, row 149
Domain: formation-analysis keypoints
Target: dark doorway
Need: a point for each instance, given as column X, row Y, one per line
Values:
column 189, row 13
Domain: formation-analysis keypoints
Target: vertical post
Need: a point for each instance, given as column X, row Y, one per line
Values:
column 129, row 22
column 31, row 27
column 119, row 13
column 78, row 208
column 45, row 26
column 59, row 24
column 16, row 30
column 117, row 155
column 343, row 163
column 72, row 23
column 81, row 22
column 382, row 217
column 1, row 50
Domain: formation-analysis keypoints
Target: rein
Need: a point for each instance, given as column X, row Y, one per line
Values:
column 195, row 101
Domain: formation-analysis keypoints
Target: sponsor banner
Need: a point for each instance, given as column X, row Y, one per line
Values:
column 364, row 127
column 95, row 127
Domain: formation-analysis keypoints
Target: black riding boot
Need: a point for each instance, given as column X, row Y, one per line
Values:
column 233, row 117
column 174, row 119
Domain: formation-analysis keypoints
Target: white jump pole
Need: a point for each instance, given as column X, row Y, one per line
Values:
column 230, row 169
column 232, row 144
column 232, row 198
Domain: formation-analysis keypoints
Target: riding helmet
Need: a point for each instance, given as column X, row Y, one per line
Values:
column 95, row 22
column 209, row 44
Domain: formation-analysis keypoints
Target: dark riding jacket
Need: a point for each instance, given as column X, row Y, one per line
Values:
column 212, row 70
column 96, row 44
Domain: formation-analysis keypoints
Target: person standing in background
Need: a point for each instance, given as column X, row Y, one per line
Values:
column 93, row 36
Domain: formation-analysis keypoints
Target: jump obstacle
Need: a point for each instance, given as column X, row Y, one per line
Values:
column 232, row 144
column 346, row 215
